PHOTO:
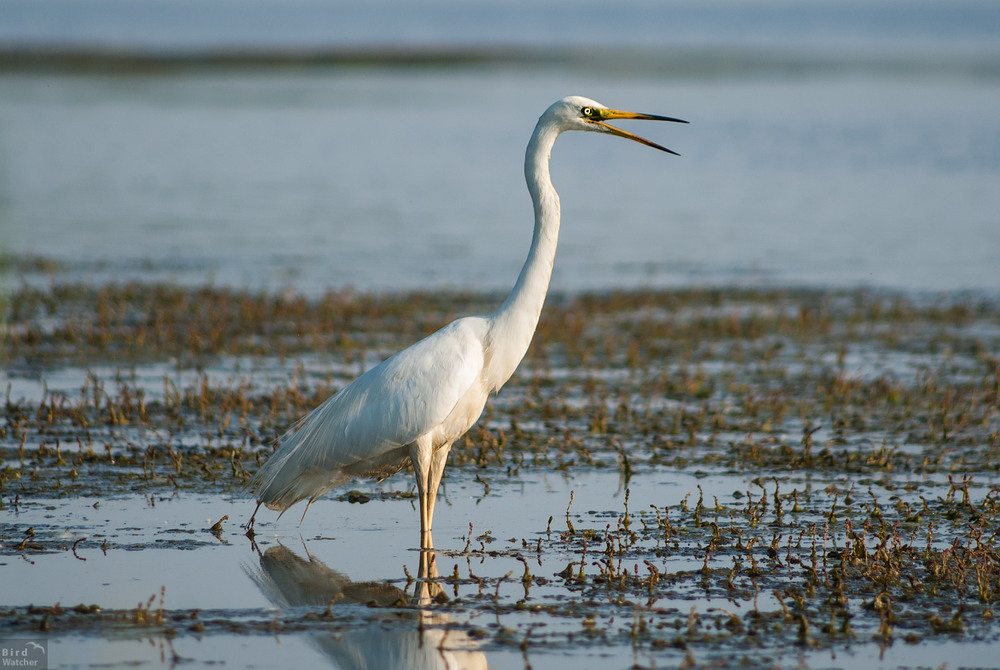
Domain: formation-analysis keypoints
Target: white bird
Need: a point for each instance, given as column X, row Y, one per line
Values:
column 411, row 408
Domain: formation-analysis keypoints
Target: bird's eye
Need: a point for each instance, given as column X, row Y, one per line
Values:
column 587, row 111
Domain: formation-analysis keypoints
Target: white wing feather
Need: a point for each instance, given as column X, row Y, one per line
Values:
column 365, row 428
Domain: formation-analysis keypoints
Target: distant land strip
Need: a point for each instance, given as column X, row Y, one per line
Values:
column 670, row 61
column 110, row 59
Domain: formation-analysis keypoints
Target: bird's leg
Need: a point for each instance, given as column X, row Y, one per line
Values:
column 253, row 516
column 421, row 457
column 308, row 505
column 250, row 531
column 428, row 466
column 438, row 460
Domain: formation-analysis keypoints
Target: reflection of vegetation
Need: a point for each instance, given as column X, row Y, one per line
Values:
column 868, row 425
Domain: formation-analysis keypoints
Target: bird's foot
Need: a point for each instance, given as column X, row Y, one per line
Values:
column 249, row 524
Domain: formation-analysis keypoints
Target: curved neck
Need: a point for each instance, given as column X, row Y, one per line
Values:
column 513, row 324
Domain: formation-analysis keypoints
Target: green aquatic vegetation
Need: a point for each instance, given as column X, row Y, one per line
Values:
column 858, row 434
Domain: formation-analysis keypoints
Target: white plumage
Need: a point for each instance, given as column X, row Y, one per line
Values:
column 411, row 408
column 367, row 427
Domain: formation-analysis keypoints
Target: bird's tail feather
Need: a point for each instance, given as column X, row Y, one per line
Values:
column 310, row 461
column 295, row 471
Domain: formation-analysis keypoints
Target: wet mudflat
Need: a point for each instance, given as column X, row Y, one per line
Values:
column 708, row 478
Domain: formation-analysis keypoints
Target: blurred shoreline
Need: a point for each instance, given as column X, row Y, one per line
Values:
column 676, row 61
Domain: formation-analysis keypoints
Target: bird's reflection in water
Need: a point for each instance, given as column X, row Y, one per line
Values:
column 424, row 642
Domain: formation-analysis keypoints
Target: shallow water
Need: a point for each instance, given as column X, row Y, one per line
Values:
column 368, row 542
column 159, row 551
column 255, row 180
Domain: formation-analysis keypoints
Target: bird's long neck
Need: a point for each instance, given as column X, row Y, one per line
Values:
column 513, row 325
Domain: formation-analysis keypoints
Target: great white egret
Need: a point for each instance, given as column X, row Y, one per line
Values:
column 410, row 408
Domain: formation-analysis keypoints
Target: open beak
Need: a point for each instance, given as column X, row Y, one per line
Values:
column 608, row 114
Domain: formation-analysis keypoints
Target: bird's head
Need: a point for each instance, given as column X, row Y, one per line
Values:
column 579, row 113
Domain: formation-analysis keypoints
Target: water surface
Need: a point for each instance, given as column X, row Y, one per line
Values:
column 399, row 179
column 829, row 145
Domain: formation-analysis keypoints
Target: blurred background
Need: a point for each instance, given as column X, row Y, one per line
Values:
column 311, row 144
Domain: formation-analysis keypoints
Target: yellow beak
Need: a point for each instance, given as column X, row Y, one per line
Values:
column 608, row 114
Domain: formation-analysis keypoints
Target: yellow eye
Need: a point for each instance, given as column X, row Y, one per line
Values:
column 588, row 111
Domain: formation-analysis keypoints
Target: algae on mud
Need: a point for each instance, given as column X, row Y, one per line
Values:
column 754, row 477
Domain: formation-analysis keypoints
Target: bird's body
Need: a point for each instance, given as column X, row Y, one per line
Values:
column 410, row 408
column 433, row 392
